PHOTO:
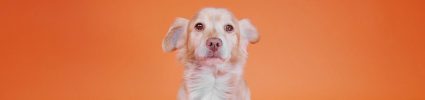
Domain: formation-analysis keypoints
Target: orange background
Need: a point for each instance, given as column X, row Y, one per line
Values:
column 309, row 49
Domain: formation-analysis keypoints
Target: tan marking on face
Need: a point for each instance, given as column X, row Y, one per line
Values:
column 236, row 51
column 217, row 18
column 190, row 56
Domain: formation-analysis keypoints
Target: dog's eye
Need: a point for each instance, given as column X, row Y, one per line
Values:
column 228, row 28
column 199, row 26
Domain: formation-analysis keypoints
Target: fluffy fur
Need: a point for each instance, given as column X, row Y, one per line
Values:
column 206, row 78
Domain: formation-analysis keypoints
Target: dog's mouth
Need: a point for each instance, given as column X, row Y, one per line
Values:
column 214, row 56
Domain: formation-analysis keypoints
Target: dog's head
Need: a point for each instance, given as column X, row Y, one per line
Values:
column 213, row 36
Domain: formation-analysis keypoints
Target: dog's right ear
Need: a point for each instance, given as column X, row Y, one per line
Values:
column 176, row 35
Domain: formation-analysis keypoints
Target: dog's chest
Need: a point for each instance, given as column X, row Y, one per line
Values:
column 207, row 84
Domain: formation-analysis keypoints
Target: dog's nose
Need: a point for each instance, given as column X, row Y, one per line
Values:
column 214, row 43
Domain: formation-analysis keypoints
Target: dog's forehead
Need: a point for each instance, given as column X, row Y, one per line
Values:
column 215, row 14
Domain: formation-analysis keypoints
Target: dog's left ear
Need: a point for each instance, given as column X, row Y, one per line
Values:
column 176, row 35
column 248, row 31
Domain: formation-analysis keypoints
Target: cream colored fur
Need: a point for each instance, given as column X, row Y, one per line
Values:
column 212, row 78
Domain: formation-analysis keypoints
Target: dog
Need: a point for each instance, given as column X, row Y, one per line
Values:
column 213, row 48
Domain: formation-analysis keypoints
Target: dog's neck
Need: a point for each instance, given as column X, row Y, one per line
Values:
column 218, row 81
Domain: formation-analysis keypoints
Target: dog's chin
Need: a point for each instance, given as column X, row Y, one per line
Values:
column 214, row 60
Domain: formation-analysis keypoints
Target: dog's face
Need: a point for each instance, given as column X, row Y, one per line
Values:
column 213, row 36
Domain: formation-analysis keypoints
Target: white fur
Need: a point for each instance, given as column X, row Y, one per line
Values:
column 210, row 78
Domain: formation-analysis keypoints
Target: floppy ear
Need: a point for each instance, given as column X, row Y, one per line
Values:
column 248, row 31
column 176, row 35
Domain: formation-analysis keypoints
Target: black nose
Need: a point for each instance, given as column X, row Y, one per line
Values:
column 214, row 43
